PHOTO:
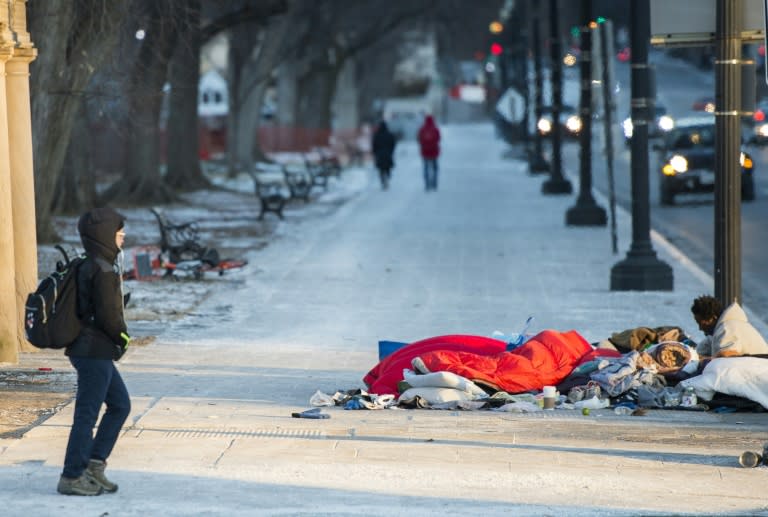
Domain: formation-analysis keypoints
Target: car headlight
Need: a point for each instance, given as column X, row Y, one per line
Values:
column 544, row 125
column 573, row 123
column 745, row 161
column 628, row 127
column 666, row 123
column 676, row 165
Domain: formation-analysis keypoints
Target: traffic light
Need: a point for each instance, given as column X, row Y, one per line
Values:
column 496, row 48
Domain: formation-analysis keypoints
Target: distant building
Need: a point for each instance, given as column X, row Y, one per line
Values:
column 212, row 109
column 213, row 96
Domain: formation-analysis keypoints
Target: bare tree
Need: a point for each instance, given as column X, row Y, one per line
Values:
column 334, row 31
column 73, row 38
column 142, row 182
column 184, row 172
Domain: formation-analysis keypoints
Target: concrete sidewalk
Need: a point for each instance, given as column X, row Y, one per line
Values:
column 211, row 431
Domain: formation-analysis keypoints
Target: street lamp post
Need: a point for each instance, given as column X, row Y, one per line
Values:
column 536, row 162
column 641, row 270
column 586, row 212
column 728, row 76
column 556, row 184
column 522, row 74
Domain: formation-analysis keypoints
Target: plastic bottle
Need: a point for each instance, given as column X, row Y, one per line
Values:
column 689, row 397
column 623, row 410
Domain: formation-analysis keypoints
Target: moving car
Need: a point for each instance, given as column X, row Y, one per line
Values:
column 570, row 122
column 686, row 160
column 663, row 123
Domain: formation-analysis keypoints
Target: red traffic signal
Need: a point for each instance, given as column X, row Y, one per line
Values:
column 496, row 49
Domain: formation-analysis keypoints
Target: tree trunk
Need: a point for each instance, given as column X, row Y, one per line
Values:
column 240, row 47
column 315, row 95
column 254, row 80
column 66, row 60
column 143, row 183
column 184, row 171
column 76, row 188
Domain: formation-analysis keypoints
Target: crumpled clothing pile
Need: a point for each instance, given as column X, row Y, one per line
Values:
column 353, row 399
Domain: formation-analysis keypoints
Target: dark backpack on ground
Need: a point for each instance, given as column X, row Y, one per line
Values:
column 50, row 314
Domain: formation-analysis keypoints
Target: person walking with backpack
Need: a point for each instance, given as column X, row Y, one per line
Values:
column 429, row 142
column 383, row 147
column 102, row 340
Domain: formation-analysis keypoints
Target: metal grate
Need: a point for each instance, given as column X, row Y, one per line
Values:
column 239, row 433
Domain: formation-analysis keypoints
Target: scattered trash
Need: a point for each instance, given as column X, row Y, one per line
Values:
column 749, row 459
column 321, row 399
column 311, row 413
column 592, row 403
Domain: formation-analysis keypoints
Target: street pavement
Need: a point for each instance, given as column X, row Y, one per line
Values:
column 211, row 431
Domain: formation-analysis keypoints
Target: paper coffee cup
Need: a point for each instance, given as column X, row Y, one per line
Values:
column 549, row 392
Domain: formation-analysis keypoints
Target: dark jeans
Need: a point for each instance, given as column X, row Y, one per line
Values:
column 384, row 175
column 98, row 382
column 430, row 174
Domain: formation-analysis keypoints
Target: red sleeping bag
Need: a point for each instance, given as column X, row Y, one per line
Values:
column 383, row 378
column 545, row 359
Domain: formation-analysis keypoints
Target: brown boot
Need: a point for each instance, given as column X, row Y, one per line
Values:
column 96, row 471
column 83, row 485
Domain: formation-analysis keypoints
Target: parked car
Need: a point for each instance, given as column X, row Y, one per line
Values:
column 663, row 123
column 686, row 160
column 760, row 124
column 704, row 104
column 570, row 122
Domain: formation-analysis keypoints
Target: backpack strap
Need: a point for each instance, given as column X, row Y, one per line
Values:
column 105, row 266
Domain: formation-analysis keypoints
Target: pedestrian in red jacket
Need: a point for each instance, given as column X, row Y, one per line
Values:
column 429, row 141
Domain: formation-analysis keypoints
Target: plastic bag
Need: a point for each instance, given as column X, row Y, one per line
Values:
column 321, row 399
column 593, row 403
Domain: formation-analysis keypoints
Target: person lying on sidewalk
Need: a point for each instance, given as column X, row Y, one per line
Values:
column 727, row 332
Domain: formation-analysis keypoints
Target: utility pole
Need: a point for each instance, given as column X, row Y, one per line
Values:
column 556, row 184
column 641, row 270
column 728, row 66
column 586, row 212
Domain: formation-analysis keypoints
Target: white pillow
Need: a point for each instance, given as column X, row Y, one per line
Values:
column 739, row 376
column 435, row 395
column 443, row 380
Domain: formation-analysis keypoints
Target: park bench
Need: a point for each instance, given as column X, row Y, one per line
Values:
column 180, row 241
column 319, row 169
column 270, row 185
column 330, row 161
column 299, row 181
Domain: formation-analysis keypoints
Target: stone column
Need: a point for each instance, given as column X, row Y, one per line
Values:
column 22, row 171
column 8, row 313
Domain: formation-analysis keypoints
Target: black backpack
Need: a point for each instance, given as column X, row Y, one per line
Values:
column 50, row 314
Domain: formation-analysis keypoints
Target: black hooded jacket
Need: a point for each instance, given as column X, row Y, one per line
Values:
column 99, row 294
column 383, row 146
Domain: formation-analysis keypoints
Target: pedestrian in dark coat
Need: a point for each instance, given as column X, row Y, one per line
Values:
column 102, row 340
column 429, row 142
column 383, row 146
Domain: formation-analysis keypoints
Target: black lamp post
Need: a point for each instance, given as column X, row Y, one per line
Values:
column 522, row 73
column 641, row 270
column 556, row 184
column 586, row 212
column 536, row 162
column 727, row 130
